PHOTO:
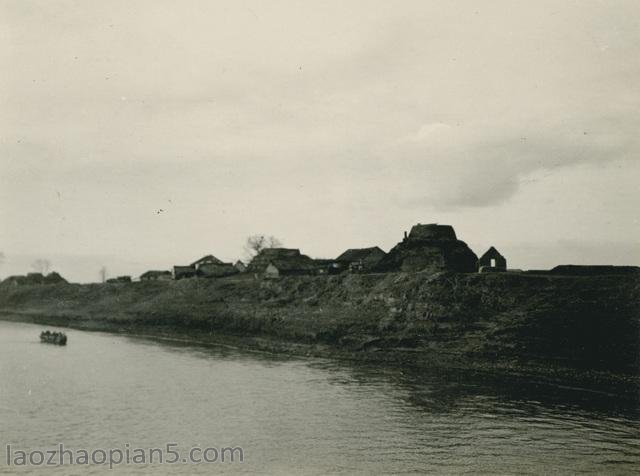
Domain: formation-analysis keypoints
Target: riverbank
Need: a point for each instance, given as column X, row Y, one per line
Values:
column 586, row 328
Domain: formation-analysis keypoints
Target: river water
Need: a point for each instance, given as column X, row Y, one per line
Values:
column 293, row 415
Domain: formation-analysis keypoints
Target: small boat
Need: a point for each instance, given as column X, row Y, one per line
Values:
column 57, row 338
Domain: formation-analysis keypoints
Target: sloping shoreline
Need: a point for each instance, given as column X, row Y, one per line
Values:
column 584, row 328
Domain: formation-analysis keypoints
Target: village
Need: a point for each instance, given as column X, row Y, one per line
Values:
column 426, row 248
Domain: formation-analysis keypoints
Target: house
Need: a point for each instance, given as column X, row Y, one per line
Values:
column 54, row 278
column 259, row 263
column 208, row 266
column 119, row 279
column 276, row 262
column 240, row 266
column 34, row 278
column 429, row 248
column 182, row 272
column 492, row 261
column 211, row 267
column 154, row 275
column 216, row 270
column 302, row 265
column 361, row 259
column 208, row 259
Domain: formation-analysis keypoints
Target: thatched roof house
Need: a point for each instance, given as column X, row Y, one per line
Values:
column 275, row 262
column 208, row 259
column 492, row 260
column 208, row 267
column 430, row 248
column 361, row 259
column 154, row 275
column 34, row 278
column 53, row 278
column 292, row 266
column 260, row 262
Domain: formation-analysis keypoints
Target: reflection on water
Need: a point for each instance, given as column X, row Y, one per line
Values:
column 300, row 416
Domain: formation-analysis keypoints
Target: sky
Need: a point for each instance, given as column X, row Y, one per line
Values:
column 140, row 134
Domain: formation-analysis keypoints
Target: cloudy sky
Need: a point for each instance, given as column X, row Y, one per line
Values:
column 140, row 134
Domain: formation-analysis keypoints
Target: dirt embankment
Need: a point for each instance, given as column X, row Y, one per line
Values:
column 515, row 321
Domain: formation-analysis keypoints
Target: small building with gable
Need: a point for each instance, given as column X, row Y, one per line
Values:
column 492, row 261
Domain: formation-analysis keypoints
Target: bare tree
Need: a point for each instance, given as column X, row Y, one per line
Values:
column 41, row 265
column 103, row 274
column 256, row 243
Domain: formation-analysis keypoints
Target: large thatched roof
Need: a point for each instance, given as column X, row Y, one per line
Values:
column 432, row 231
column 430, row 248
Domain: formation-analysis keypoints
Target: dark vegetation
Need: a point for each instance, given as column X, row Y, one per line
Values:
column 487, row 320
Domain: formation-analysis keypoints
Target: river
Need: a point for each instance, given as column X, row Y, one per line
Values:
column 293, row 415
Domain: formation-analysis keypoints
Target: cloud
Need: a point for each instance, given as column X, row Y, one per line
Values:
column 261, row 115
column 479, row 165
